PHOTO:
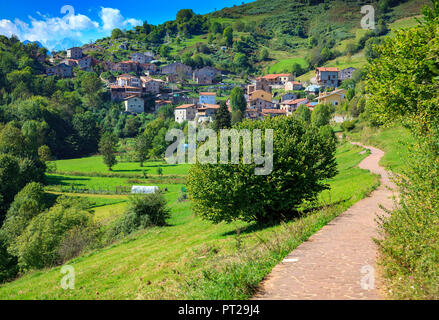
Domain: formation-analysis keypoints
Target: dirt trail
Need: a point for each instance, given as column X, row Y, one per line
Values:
column 329, row 265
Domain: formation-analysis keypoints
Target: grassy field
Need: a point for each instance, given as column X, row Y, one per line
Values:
column 395, row 141
column 286, row 64
column 96, row 164
column 174, row 262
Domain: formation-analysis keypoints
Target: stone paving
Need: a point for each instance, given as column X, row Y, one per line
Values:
column 338, row 262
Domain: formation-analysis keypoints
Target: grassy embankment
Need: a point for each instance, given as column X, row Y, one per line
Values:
column 193, row 258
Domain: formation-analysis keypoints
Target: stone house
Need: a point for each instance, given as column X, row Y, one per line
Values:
column 134, row 104
column 61, row 70
column 185, row 112
column 293, row 86
column 74, row 53
column 205, row 75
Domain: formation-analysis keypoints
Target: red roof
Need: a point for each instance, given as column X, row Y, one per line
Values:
column 185, row 106
column 328, row 69
column 294, row 102
column 274, row 111
column 207, row 93
column 275, row 76
column 209, row 106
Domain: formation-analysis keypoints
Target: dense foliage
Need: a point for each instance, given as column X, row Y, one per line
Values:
column 302, row 160
column 144, row 211
column 404, row 87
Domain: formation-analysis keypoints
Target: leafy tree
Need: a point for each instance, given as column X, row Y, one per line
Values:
column 216, row 27
column 37, row 247
column 321, row 115
column 237, row 116
column 350, row 93
column 116, row 34
column 44, row 153
column 228, row 36
column 108, row 148
column 8, row 262
column 263, row 55
column 9, row 182
column 222, row 118
column 28, row 203
column 303, row 113
column 237, row 100
column 12, row 141
column 402, row 87
column 87, row 130
column 240, row 60
column 369, row 49
column 165, row 51
column 302, row 161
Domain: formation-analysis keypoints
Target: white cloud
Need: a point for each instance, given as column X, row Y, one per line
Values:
column 112, row 18
column 48, row 30
column 8, row 28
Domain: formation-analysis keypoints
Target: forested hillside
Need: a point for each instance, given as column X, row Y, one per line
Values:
column 292, row 36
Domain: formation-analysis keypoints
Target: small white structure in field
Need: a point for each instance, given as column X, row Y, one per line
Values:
column 144, row 189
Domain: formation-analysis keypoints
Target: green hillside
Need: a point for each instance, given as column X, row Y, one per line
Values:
column 268, row 36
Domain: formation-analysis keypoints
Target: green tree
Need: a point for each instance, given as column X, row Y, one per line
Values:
column 263, row 55
column 37, row 246
column 116, row 34
column 303, row 113
column 237, row 100
column 303, row 160
column 237, row 117
column 108, row 148
column 228, row 36
column 402, row 87
column 28, row 203
column 222, row 118
column 321, row 115
column 216, row 27
column 9, row 182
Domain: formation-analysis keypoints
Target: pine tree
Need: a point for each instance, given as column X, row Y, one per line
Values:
column 222, row 118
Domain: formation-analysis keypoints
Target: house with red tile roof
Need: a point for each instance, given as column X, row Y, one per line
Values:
column 290, row 106
column 185, row 112
column 278, row 79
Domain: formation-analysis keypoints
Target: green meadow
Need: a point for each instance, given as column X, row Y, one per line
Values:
column 96, row 165
column 191, row 258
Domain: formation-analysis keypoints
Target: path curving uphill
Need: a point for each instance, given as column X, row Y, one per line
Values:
column 339, row 261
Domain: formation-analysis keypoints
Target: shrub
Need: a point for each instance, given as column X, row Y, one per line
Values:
column 38, row 245
column 75, row 241
column 348, row 125
column 302, row 160
column 8, row 263
column 144, row 211
column 321, row 115
column 28, row 203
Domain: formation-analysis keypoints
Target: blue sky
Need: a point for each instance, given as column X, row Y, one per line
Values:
column 92, row 19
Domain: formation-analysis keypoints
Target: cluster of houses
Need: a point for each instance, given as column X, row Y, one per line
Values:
column 133, row 90
column 260, row 100
column 202, row 111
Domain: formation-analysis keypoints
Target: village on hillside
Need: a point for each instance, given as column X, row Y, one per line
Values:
column 140, row 79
